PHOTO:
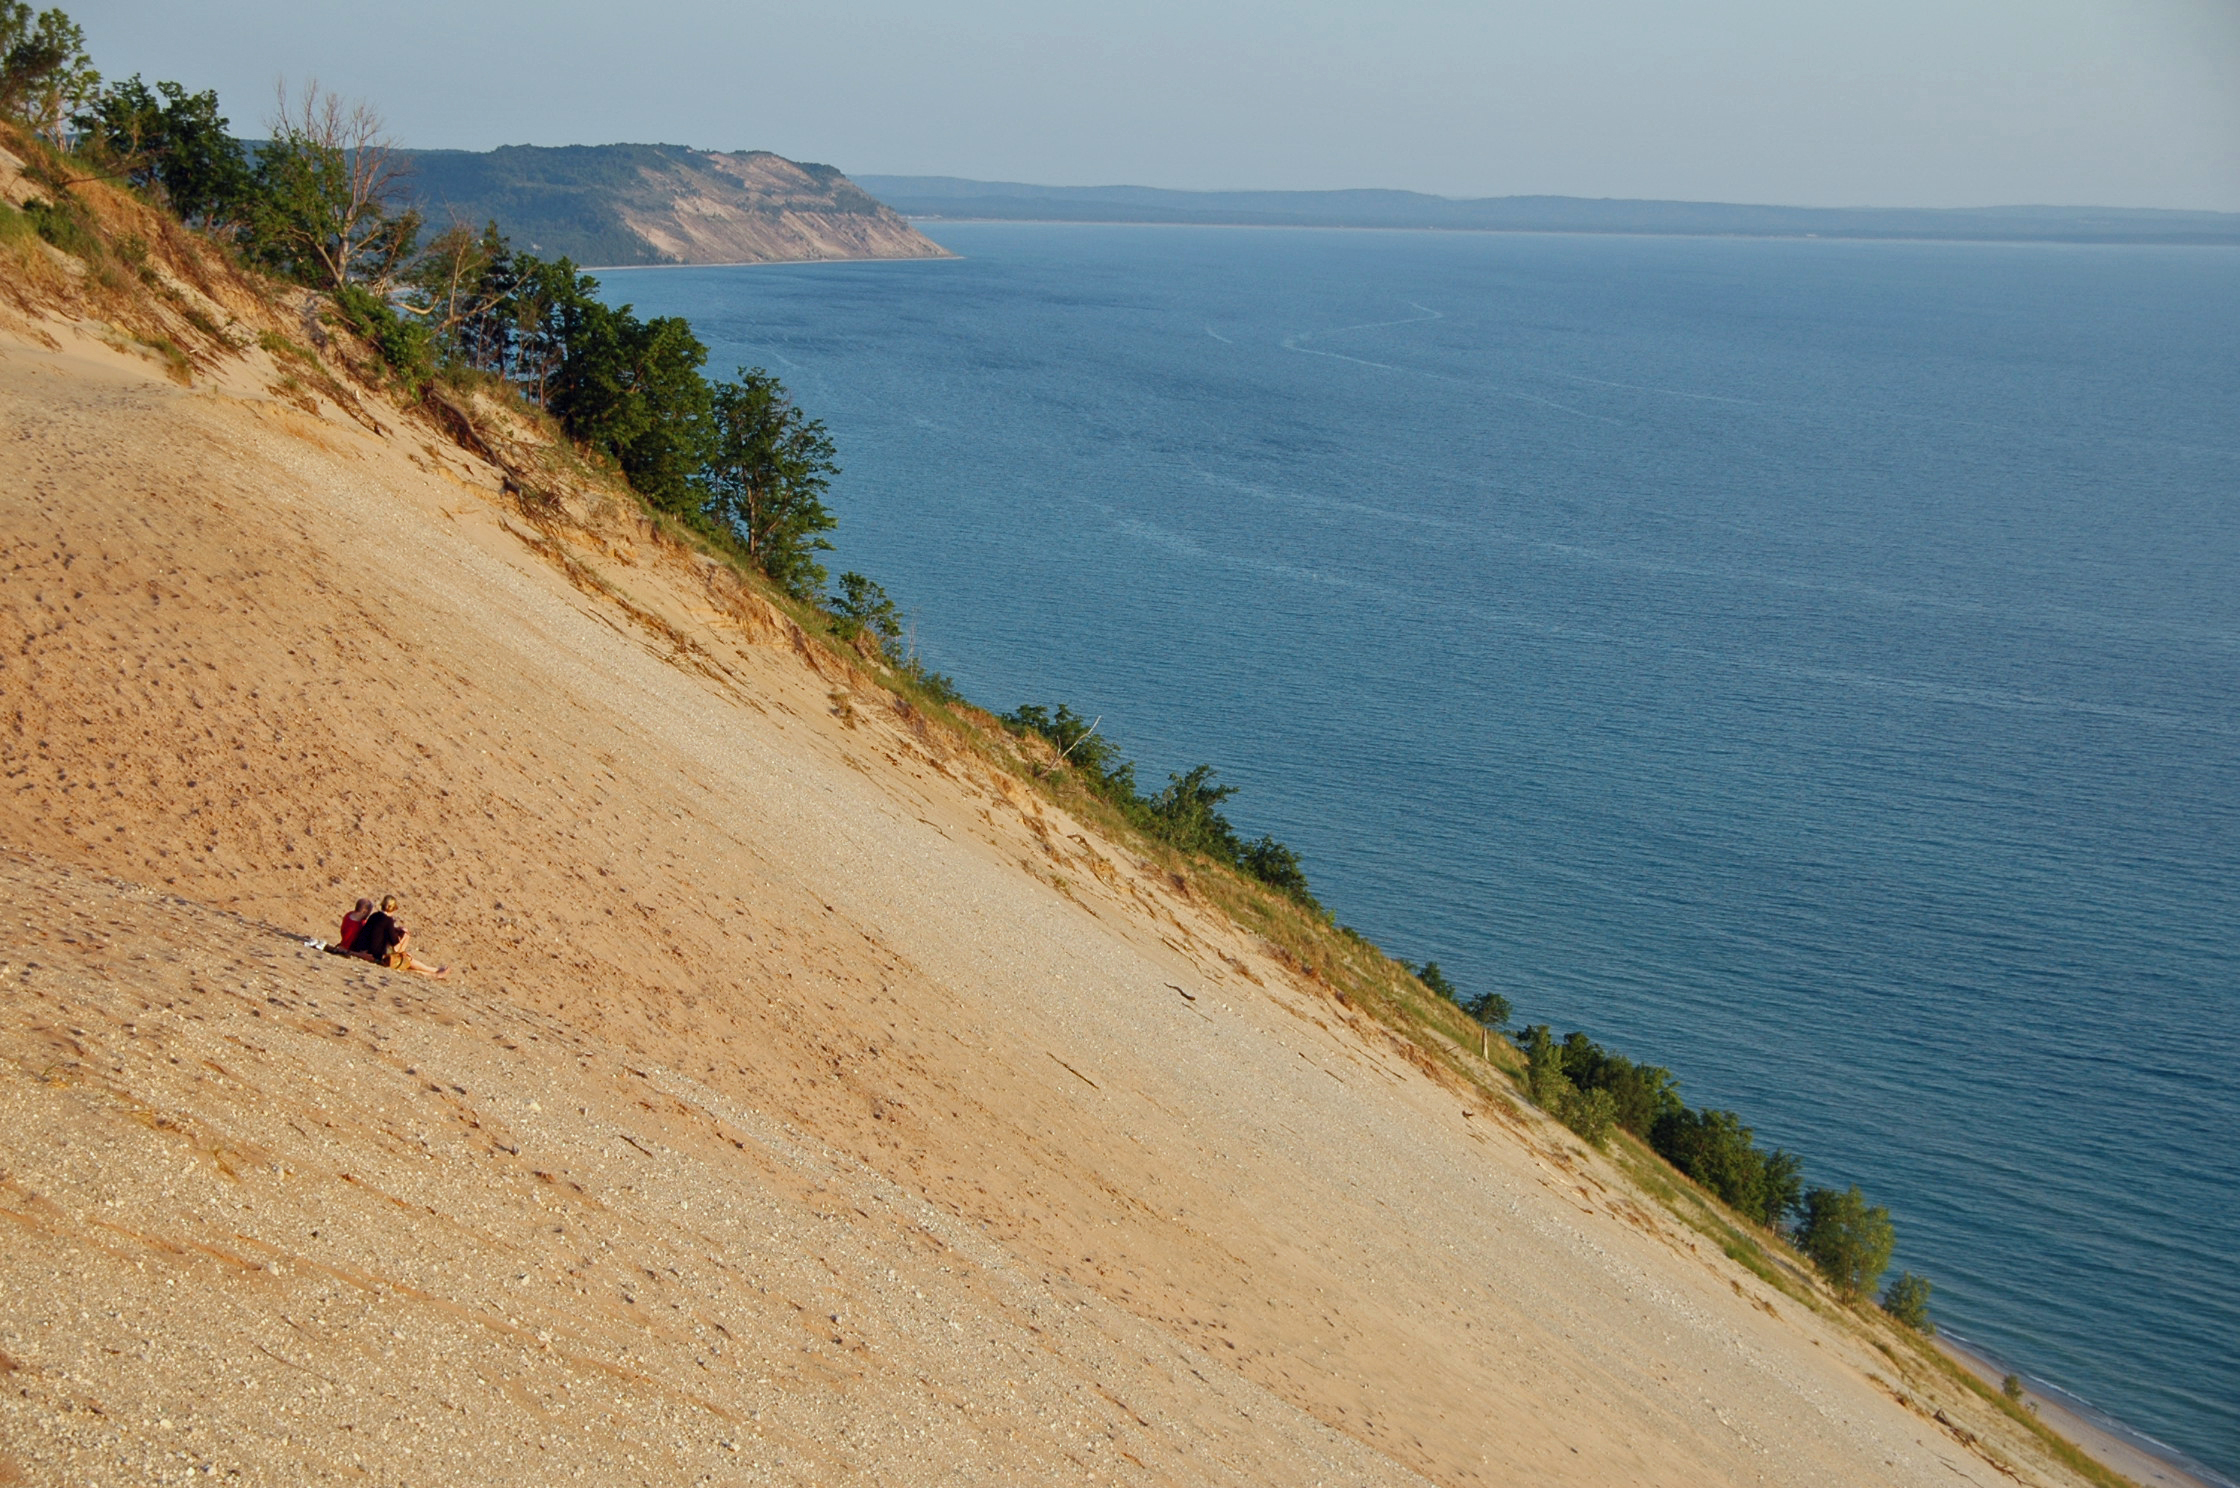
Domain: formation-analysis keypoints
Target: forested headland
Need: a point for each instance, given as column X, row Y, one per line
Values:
column 660, row 204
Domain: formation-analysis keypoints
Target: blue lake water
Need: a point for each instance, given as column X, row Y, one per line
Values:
column 1813, row 666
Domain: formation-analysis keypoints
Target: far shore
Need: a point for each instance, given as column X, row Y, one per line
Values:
column 2147, row 1462
column 915, row 218
column 777, row 263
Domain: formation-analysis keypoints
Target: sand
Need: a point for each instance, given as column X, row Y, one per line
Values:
column 816, row 1102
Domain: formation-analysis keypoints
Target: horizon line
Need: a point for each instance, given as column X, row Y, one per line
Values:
column 1435, row 196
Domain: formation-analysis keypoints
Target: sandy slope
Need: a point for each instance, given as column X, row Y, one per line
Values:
column 660, row 204
column 816, row 1105
column 751, row 206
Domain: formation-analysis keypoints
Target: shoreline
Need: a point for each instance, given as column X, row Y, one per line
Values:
column 776, row 263
column 2137, row 1456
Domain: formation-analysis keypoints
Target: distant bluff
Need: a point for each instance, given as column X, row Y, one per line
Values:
column 617, row 205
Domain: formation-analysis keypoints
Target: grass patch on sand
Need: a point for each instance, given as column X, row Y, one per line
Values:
column 16, row 227
column 1761, row 1253
column 174, row 356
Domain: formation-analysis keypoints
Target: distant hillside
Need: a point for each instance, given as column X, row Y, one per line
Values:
column 956, row 199
column 611, row 205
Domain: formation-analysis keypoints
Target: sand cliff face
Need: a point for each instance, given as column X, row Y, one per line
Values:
column 773, row 210
column 661, row 204
column 817, row 1102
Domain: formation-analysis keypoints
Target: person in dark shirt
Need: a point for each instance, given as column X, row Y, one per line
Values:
column 383, row 939
column 380, row 934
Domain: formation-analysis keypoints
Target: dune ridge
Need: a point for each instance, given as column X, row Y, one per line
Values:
column 819, row 1101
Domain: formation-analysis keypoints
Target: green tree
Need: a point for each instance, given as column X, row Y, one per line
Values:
column 1906, row 1298
column 1188, row 814
column 1642, row 1094
column 1544, row 1078
column 1719, row 1152
column 667, row 454
column 1780, row 1188
column 862, row 605
column 1590, row 1113
column 1586, row 1063
column 1086, row 751
column 768, row 466
column 632, row 389
column 1436, row 981
column 1849, row 1239
column 1080, row 745
column 1491, row 1009
column 1278, row 867
column 124, row 125
column 46, row 78
column 521, row 331
column 170, row 141
column 1076, row 737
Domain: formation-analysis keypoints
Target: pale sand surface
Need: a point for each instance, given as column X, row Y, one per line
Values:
column 816, row 1103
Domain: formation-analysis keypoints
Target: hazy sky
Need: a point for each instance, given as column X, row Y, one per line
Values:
column 1866, row 102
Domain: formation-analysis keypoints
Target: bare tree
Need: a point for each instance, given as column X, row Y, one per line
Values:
column 452, row 282
column 331, row 172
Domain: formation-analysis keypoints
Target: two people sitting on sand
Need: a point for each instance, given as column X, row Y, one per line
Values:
column 375, row 935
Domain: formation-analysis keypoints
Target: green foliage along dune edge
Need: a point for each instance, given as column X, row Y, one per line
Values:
column 1597, row 1092
column 1186, row 814
column 737, row 469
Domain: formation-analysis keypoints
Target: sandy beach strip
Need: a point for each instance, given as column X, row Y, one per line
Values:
column 2142, row 1459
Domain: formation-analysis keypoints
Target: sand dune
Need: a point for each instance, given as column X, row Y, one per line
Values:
column 817, row 1103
